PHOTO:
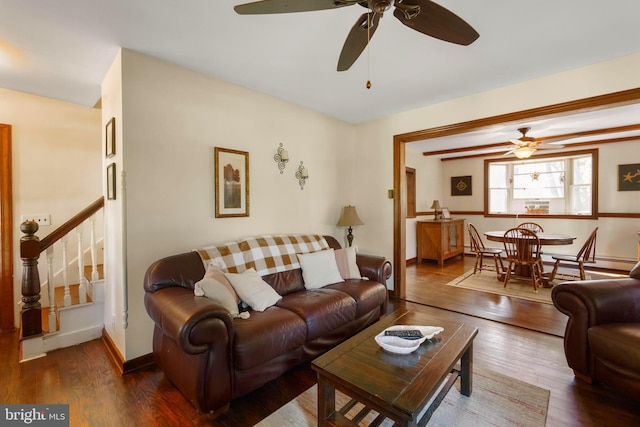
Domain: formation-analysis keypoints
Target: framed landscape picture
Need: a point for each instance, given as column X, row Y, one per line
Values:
column 231, row 182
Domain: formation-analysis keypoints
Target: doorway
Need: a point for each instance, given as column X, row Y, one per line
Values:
column 615, row 99
column 6, row 231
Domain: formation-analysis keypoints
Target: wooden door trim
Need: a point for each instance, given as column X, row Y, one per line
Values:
column 6, row 232
column 626, row 97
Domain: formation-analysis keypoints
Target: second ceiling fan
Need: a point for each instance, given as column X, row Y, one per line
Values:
column 525, row 146
column 423, row 16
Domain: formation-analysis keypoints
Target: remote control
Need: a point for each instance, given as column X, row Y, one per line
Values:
column 408, row 334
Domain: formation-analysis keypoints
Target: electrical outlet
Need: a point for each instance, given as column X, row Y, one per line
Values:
column 41, row 219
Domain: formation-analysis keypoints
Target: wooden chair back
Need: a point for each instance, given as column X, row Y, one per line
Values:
column 536, row 228
column 477, row 245
column 588, row 251
column 522, row 246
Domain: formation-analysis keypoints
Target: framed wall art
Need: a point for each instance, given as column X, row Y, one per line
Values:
column 461, row 185
column 629, row 177
column 231, row 182
column 111, row 181
column 110, row 138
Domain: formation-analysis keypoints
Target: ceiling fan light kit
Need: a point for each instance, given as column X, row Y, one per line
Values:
column 423, row 16
column 524, row 152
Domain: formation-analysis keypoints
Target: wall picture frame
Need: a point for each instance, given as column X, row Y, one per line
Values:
column 111, row 181
column 629, row 177
column 110, row 138
column 461, row 185
column 231, row 183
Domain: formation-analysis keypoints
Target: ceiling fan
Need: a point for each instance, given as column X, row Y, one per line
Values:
column 423, row 16
column 525, row 146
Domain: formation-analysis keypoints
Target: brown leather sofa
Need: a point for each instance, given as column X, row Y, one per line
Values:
column 213, row 358
column 602, row 337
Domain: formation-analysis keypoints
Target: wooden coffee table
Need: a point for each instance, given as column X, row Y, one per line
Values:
column 396, row 386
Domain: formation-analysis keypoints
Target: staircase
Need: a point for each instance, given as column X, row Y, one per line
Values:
column 67, row 314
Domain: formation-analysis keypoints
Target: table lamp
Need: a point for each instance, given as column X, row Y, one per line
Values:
column 349, row 218
column 436, row 207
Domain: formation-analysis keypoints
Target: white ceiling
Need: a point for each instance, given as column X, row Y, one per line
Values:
column 62, row 49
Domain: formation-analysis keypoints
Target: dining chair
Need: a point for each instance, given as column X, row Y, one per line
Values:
column 586, row 255
column 522, row 248
column 536, row 228
column 478, row 247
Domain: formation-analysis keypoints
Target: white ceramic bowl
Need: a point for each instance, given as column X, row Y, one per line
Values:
column 399, row 345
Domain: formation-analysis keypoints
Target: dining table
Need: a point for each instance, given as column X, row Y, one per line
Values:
column 544, row 238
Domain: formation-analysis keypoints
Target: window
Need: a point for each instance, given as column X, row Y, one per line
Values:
column 544, row 185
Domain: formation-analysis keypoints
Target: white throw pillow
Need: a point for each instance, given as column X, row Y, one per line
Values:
column 253, row 290
column 319, row 269
column 346, row 260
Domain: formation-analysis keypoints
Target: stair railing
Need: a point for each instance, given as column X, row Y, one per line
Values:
column 30, row 249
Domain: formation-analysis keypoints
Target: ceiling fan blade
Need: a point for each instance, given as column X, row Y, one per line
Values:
column 288, row 6
column 435, row 21
column 357, row 40
column 518, row 142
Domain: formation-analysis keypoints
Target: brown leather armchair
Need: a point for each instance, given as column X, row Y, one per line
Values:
column 602, row 337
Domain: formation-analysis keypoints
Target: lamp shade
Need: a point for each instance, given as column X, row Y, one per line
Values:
column 349, row 217
column 435, row 204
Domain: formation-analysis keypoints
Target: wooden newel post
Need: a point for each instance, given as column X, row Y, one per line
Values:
column 30, row 252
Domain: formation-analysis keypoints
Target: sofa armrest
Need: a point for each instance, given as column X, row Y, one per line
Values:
column 589, row 303
column 375, row 268
column 192, row 322
column 596, row 302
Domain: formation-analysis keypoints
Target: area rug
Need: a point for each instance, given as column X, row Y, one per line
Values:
column 487, row 281
column 496, row 400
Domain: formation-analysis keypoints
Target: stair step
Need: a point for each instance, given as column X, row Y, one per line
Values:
column 59, row 303
column 88, row 268
column 45, row 321
column 75, row 295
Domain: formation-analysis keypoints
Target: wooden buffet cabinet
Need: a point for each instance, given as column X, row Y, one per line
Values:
column 440, row 239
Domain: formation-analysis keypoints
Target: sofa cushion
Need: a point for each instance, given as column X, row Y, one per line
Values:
column 265, row 336
column 321, row 309
column 285, row 282
column 253, row 290
column 616, row 346
column 319, row 269
column 367, row 294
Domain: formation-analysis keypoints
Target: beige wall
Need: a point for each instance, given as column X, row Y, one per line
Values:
column 170, row 121
column 55, row 162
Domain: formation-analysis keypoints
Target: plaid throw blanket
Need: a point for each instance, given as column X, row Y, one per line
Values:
column 266, row 254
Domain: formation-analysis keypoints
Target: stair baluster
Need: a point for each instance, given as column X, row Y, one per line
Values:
column 65, row 272
column 51, row 291
column 94, row 266
column 82, row 286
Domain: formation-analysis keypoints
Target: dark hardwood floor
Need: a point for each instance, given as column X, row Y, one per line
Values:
column 84, row 377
